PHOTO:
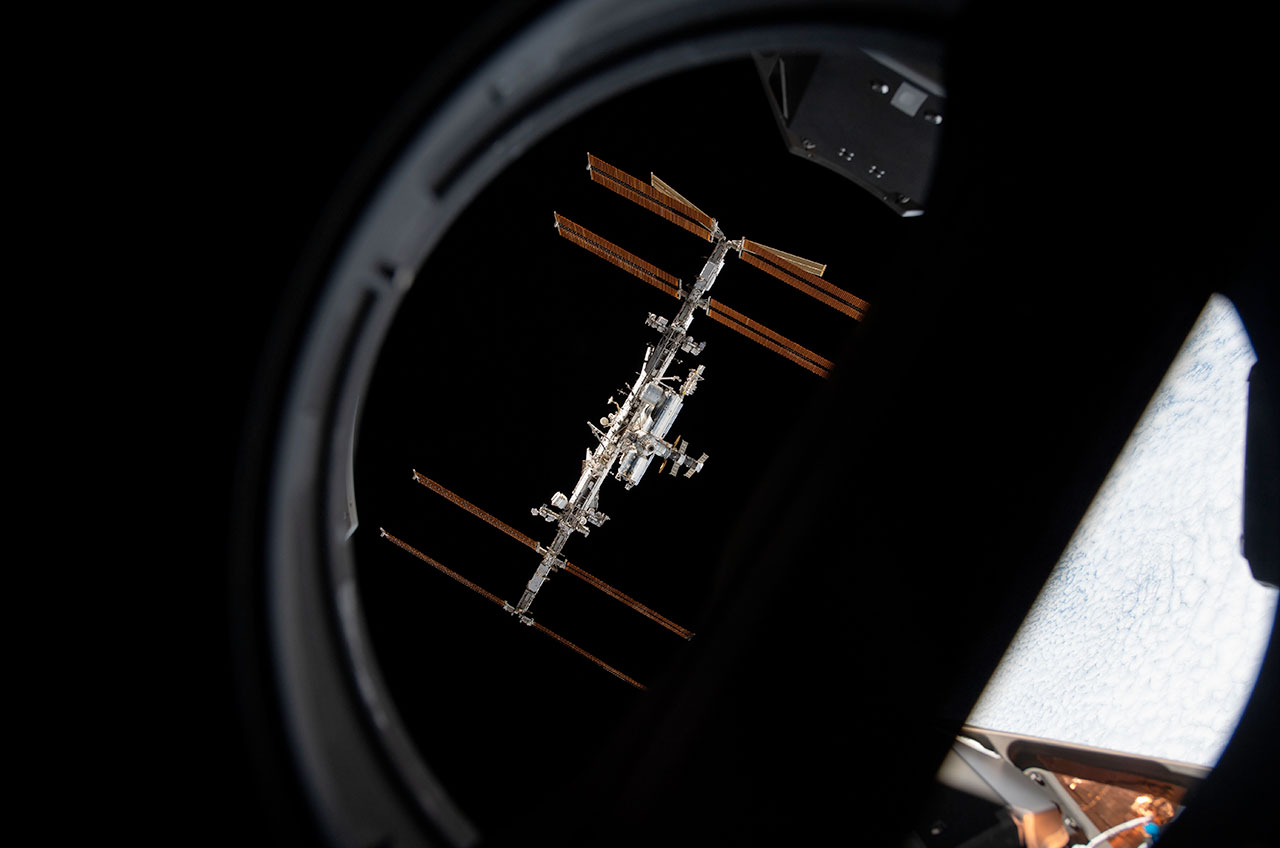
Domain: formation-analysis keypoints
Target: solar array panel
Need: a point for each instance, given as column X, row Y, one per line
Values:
column 668, row 206
column 563, row 641
column 568, row 567
column 492, row 597
column 800, row 273
column 671, row 192
column 810, row 284
column 767, row 338
column 405, row 546
column 684, row 633
column 764, row 250
column 610, row 252
column 475, row 510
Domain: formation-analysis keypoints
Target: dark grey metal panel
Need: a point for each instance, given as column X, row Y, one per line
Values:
column 872, row 118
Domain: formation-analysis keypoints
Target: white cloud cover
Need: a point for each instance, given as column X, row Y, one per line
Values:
column 1149, row 632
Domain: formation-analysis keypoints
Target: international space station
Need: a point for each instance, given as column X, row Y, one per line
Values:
column 633, row 434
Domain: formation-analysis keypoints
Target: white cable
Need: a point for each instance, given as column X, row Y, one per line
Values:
column 1110, row 832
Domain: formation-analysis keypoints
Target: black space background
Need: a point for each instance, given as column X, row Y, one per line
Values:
column 515, row 338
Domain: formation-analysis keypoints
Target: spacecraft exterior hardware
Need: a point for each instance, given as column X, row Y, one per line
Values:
column 635, row 431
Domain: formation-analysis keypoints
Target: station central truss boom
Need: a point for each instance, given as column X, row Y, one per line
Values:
column 633, row 434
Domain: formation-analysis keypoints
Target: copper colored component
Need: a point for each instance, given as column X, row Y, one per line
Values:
column 765, row 337
column 429, row 561
column 584, row 233
column 492, row 597
column 803, row 281
column 656, row 208
column 1110, row 797
column 563, row 641
column 671, row 200
column 474, row 510
column 799, row 285
column 765, row 331
column 610, row 252
column 575, row 229
column 656, row 182
column 764, row 250
column 779, row 259
column 663, row 466
column 570, row 568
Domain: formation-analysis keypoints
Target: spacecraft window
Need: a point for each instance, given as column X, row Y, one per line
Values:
column 1151, row 622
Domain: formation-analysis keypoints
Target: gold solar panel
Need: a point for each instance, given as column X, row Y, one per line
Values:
column 405, row 546
column 655, row 208
column 656, row 182
column 764, row 250
column 668, row 206
column 801, row 281
column 584, row 233
column 570, row 568
column 474, row 510
column 563, row 641
column 610, row 252
column 672, row 199
column 767, row 338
